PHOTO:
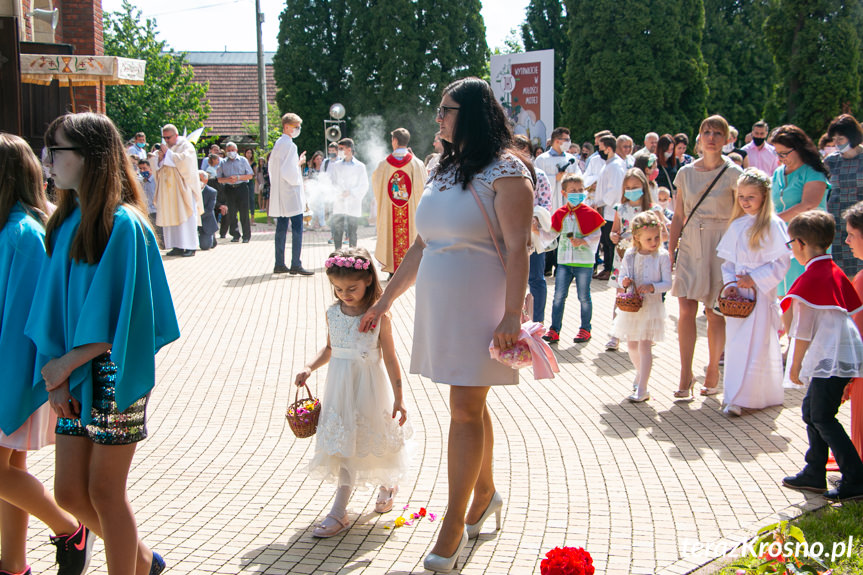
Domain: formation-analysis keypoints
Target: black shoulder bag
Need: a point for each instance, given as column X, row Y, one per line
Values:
column 692, row 213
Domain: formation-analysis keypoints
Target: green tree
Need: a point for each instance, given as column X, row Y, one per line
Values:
column 169, row 94
column 740, row 69
column 816, row 45
column 388, row 59
column 311, row 64
column 545, row 28
column 634, row 70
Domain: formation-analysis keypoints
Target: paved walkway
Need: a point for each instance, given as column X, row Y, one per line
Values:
column 220, row 485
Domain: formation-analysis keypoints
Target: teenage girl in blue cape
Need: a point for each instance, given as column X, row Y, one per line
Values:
column 105, row 310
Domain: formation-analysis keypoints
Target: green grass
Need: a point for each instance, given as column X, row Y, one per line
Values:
column 829, row 525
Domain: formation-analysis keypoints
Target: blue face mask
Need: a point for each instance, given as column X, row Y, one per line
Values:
column 575, row 198
column 633, row 195
column 141, row 144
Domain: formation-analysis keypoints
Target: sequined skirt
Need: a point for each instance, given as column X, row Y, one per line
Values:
column 109, row 426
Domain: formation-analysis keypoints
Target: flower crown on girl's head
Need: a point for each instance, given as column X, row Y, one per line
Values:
column 351, row 262
column 645, row 223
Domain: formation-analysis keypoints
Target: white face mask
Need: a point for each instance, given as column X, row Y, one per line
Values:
column 341, row 155
column 844, row 148
column 232, row 155
column 296, row 132
column 728, row 148
column 668, row 154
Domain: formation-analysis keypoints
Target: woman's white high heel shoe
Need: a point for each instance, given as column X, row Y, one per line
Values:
column 494, row 506
column 434, row 562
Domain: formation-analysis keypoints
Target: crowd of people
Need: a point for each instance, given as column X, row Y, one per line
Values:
column 727, row 226
column 773, row 225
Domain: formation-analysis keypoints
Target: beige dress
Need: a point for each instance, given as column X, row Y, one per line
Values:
column 698, row 273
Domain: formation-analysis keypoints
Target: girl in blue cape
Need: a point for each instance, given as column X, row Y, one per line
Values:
column 105, row 310
column 26, row 421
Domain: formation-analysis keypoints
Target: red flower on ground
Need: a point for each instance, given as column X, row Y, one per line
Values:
column 567, row 561
column 422, row 512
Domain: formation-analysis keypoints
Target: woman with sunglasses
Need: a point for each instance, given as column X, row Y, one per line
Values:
column 464, row 296
column 800, row 183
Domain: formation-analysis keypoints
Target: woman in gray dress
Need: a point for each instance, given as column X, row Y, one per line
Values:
column 464, row 298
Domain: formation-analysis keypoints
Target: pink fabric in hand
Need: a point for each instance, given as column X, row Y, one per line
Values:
column 530, row 349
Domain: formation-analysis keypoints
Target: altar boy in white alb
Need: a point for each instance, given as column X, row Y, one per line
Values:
column 351, row 183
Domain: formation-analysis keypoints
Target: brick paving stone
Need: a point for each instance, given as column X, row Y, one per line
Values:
column 220, row 484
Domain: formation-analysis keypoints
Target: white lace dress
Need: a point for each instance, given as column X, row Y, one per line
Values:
column 356, row 431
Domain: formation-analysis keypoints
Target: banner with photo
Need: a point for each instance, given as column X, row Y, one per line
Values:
column 524, row 84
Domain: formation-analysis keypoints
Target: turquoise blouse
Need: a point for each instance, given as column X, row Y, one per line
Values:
column 787, row 193
column 788, row 190
column 22, row 253
column 123, row 300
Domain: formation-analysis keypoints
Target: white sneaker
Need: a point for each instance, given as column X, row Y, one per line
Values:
column 613, row 344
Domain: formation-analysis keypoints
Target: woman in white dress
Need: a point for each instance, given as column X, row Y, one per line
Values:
column 756, row 261
column 464, row 298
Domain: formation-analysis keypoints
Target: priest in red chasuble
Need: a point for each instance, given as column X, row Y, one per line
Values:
column 398, row 183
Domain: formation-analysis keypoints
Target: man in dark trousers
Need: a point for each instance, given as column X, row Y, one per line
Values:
column 208, row 228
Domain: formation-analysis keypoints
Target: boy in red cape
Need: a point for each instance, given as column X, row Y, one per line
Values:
column 580, row 228
column 826, row 350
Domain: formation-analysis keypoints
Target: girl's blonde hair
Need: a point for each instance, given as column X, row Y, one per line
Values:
column 355, row 264
column 638, row 174
column 758, row 179
column 647, row 220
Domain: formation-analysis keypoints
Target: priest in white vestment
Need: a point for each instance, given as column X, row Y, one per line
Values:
column 178, row 193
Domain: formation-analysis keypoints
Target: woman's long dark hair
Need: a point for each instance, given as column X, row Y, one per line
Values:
column 20, row 179
column 481, row 132
column 107, row 183
column 665, row 143
column 793, row 137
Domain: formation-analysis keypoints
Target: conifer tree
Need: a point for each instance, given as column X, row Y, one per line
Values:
column 740, row 69
column 385, row 58
column 816, row 45
column 634, row 70
column 312, row 62
column 545, row 28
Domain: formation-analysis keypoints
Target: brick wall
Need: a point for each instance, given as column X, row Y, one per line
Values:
column 81, row 25
column 26, row 7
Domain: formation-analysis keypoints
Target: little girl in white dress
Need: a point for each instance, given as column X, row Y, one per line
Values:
column 646, row 267
column 359, row 440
